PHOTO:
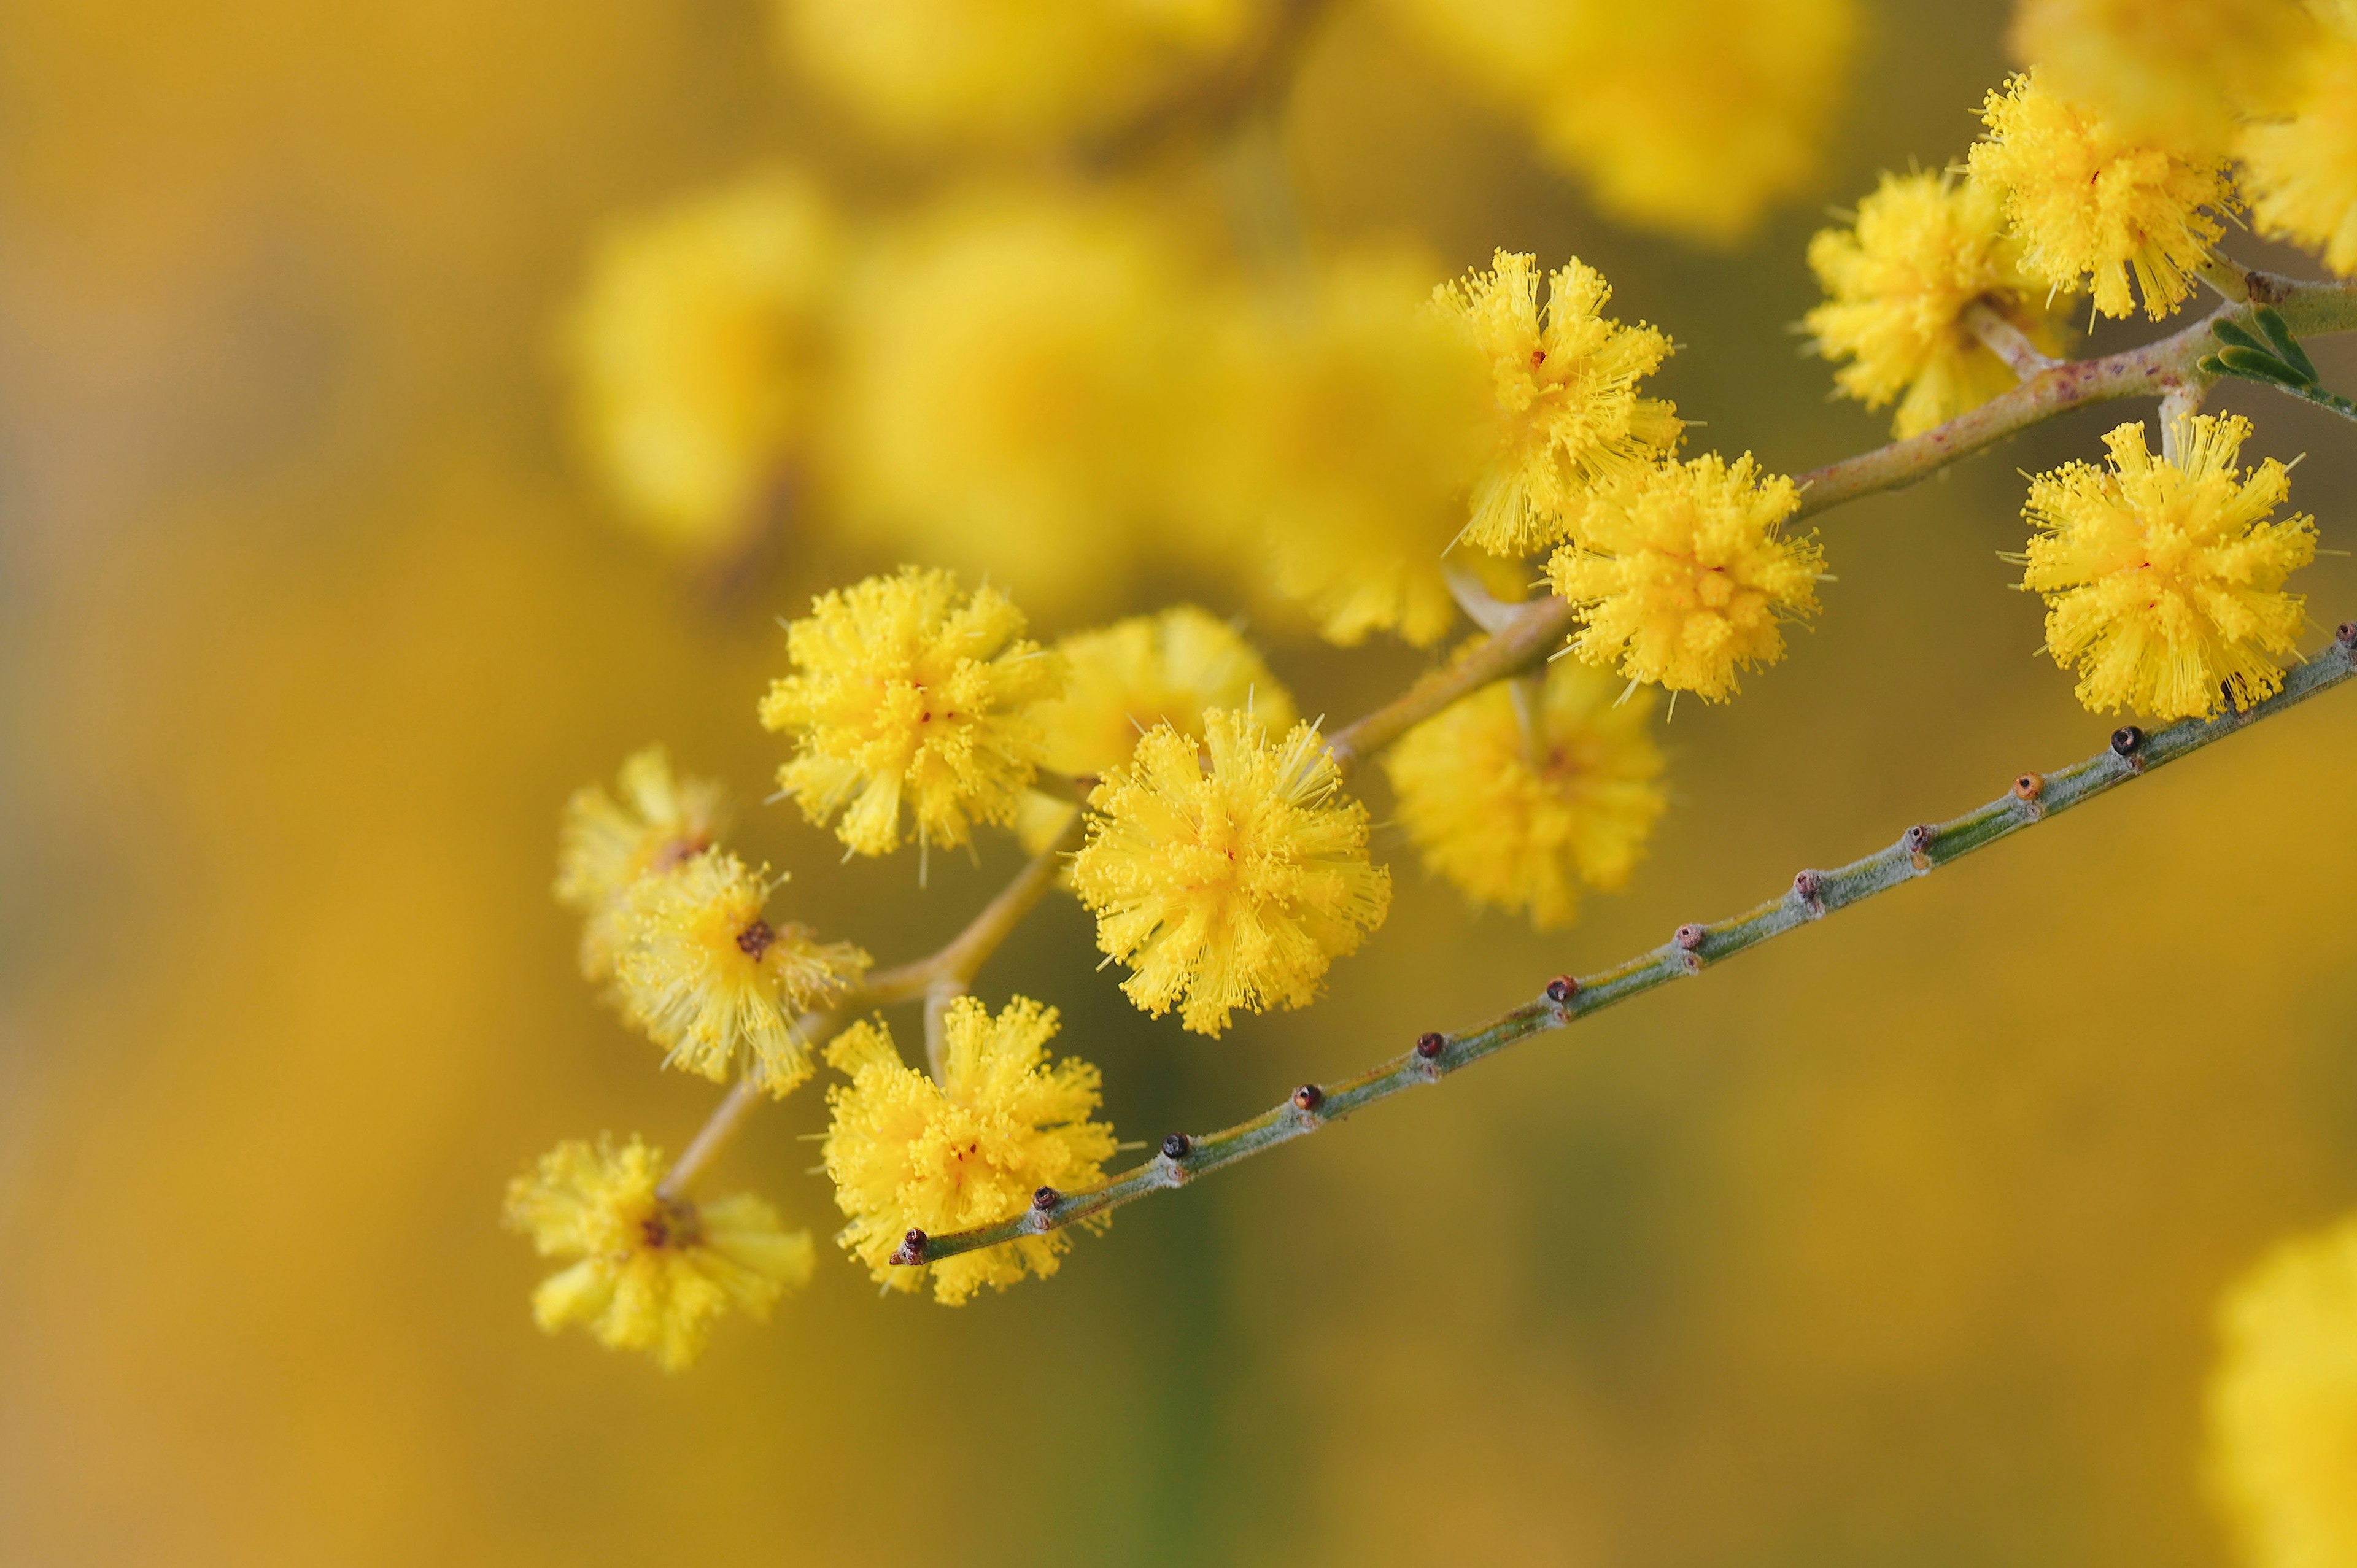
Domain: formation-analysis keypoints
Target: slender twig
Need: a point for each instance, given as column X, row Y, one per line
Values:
column 728, row 1117
column 959, row 961
column 1813, row 895
column 2006, row 341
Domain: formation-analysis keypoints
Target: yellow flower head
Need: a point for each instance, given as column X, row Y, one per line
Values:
column 2091, row 205
column 649, row 1273
column 1683, row 575
column 1517, row 795
column 2164, row 580
column 2283, row 1405
column 1231, row 885
column 905, row 690
column 906, row 1153
column 1008, row 71
column 706, row 974
column 2178, row 70
column 2300, row 170
column 696, row 352
column 1924, row 248
column 604, row 845
column 1347, row 424
column 1566, row 387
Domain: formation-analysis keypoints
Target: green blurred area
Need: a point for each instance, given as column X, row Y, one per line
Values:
column 1896, row 1242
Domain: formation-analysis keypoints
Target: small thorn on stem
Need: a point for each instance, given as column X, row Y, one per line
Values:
column 1429, row 1046
column 1178, row 1146
column 911, row 1249
column 1045, row 1198
column 1308, row 1097
column 1562, row 988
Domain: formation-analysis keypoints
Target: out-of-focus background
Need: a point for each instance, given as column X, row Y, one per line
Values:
column 1899, row 1241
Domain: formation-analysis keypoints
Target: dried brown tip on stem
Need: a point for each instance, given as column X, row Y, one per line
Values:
column 2125, row 740
column 1562, row 988
column 911, row 1249
column 2029, row 785
column 1429, row 1046
column 1178, row 1146
column 1688, row 937
column 1045, row 1198
column 1308, row 1097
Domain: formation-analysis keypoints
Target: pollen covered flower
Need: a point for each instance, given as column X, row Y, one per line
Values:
column 1522, row 791
column 2166, row 69
column 2164, row 580
column 907, row 691
column 706, row 974
column 604, row 845
column 1231, row 885
column 696, row 350
column 649, row 1273
column 2300, row 169
column 2091, row 206
column 1923, row 249
column 906, row 1153
column 2283, row 1405
column 1682, row 574
column 1565, row 384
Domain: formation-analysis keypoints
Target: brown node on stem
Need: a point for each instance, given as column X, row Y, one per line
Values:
column 1045, row 1198
column 1308, row 1097
column 1178, row 1146
column 2127, row 740
column 1562, row 988
column 911, row 1249
column 2030, row 787
column 1688, row 936
column 1429, row 1046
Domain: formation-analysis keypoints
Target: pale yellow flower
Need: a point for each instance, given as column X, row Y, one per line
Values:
column 604, row 845
column 2178, row 70
column 2300, row 168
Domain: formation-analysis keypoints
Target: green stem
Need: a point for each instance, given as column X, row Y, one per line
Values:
column 1813, row 895
column 2345, row 407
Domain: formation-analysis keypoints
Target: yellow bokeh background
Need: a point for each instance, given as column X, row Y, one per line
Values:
column 1899, row 1240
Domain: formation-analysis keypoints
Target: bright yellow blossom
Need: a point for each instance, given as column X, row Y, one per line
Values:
column 1924, row 248
column 906, row 1153
column 604, row 845
column 2164, row 580
column 649, row 1273
column 1231, row 885
column 1682, row 574
column 703, row 973
column 2173, row 69
column 1008, row 71
column 2283, row 1405
column 905, row 690
column 1347, row 424
column 1565, row 388
column 697, row 349
column 2091, row 206
column 2300, row 170
column 1519, row 793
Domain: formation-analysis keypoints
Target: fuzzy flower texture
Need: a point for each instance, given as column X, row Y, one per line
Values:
column 1681, row 575
column 648, row 1273
column 605, row 845
column 1522, row 791
column 2164, row 580
column 906, row 1153
column 907, row 691
column 1231, row 885
column 2300, row 168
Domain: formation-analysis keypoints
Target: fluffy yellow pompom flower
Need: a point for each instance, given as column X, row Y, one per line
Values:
column 2163, row 580
column 1566, row 389
column 2300, row 171
column 2178, row 70
column 905, row 690
column 604, row 845
column 696, row 349
column 1923, row 249
column 1682, row 573
column 1008, row 71
column 703, row 973
column 2091, row 206
column 1346, row 425
column 1231, row 885
column 1008, row 401
column 907, row 1153
column 1518, row 796
column 2283, row 1405
column 651, row 1273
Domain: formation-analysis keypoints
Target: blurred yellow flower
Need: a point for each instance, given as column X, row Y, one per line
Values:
column 2091, row 206
column 696, row 352
column 1565, row 384
column 1009, row 401
column 906, row 1153
column 1522, row 791
column 2173, row 69
column 1924, row 248
column 907, row 691
column 703, row 973
column 2163, row 580
column 1681, row 574
column 651, row 1273
column 2283, row 1405
column 604, row 845
column 1343, row 431
column 1231, row 885
column 1008, row 71
column 2299, row 171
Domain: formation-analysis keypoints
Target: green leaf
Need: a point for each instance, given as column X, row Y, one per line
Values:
column 2211, row 365
column 2235, row 335
column 2286, row 345
column 2252, row 365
